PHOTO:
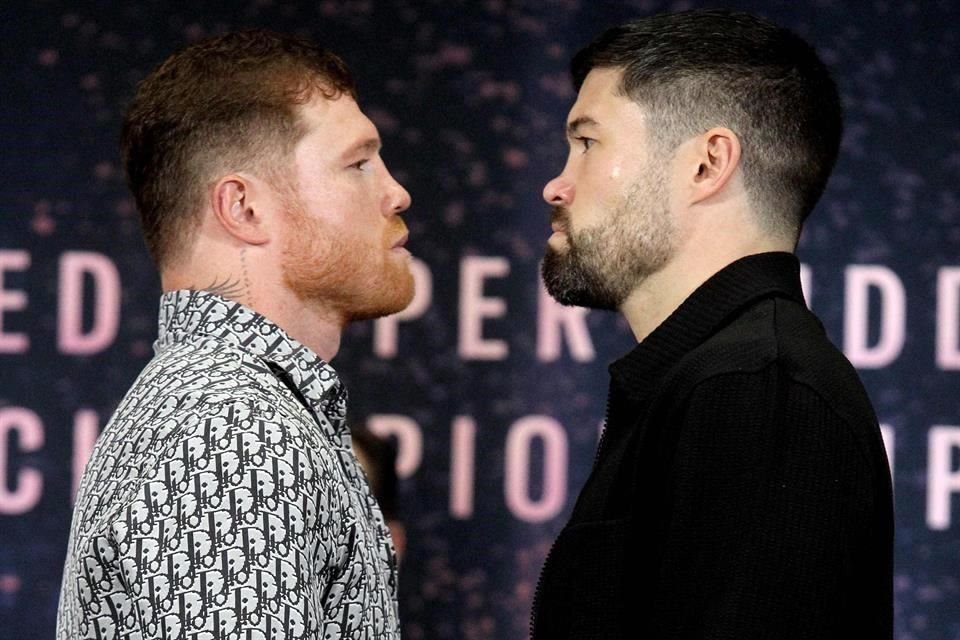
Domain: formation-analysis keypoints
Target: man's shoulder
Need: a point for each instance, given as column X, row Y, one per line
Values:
column 747, row 342
column 777, row 336
column 202, row 388
column 774, row 370
column 199, row 359
column 189, row 411
column 203, row 373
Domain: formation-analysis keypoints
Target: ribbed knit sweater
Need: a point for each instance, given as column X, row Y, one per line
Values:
column 740, row 490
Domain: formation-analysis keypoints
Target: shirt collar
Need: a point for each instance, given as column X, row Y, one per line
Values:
column 187, row 313
column 703, row 313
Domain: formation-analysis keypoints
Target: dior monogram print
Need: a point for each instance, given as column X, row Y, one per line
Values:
column 222, row 500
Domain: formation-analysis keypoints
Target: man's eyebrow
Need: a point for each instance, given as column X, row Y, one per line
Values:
column 368, row 145
column 574, row 125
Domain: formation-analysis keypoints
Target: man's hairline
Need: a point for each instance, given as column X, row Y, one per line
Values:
column 666, row 145
column 272, row 166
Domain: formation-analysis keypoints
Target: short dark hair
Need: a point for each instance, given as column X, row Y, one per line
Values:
column 226, row 104
column 697, row 69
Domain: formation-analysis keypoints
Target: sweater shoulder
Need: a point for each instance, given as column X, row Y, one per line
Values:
column 773, row 370
column 778, row 337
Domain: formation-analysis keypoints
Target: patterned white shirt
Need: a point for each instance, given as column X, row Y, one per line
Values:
column 223, row 500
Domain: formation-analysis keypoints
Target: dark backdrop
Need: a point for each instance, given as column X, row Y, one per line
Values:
column 496, row 398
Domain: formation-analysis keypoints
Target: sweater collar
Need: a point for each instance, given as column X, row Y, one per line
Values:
column 711, row 306
column 186, row 313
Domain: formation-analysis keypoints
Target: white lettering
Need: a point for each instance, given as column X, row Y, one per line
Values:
column 948, row 318
column 893, row 320
column 889, row 440
column 554, row 319
column 474, row 308
column 463, row 444
column 28, row 486
column 517, row 470
column 71, row 337
column 13, row 300
column 86, row 428
column 409, row 440
column 806, row 283
column 942, row 479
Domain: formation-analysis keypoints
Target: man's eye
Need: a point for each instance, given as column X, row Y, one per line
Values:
column 360, row 164
column 586, row 142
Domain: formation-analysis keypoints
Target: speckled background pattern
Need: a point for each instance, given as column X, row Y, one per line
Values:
column 470, row 98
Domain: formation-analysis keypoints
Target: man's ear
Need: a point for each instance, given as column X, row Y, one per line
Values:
column 236, row 209
column 716, row 159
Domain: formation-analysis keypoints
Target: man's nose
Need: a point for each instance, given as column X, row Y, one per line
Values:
column 398, row 198
column 559, row 192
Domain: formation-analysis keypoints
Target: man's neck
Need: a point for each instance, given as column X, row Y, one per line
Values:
column 660, row 294
column 312, row 325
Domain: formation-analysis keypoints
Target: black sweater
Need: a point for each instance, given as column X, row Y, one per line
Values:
column 740, row 491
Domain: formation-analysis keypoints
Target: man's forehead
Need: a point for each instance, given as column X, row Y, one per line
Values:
column 600, row 101
column 340, row 120
column 603, row 81
column 321, row 111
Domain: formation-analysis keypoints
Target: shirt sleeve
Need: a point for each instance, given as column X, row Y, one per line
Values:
column 768, row 504
column 224, row 537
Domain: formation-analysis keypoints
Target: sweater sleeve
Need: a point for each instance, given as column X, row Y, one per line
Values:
column 768, row 502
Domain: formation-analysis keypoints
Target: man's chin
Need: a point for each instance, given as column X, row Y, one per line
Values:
column 570, row 297
column 557, row 281
column 394, row 295
column 570, row 284
column 405, row 290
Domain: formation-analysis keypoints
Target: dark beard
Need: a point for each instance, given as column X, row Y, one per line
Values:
column 572, row 282
column 603, row 264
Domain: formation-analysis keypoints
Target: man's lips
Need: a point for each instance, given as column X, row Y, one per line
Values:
column 401, row 241
column 559, row 220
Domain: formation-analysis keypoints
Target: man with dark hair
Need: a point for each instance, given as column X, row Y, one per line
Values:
column 223, row 498
column 740, row 489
